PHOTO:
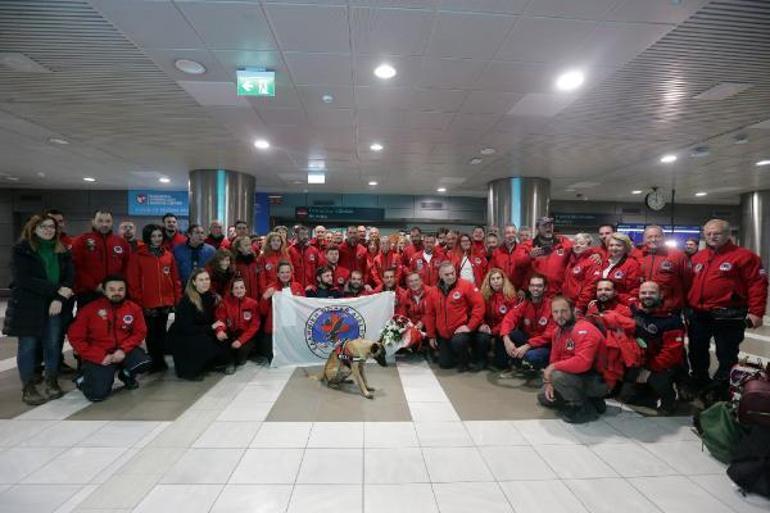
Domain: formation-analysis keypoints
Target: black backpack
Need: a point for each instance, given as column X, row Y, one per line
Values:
column 750, row 468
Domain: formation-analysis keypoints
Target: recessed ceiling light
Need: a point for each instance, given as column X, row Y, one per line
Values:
column 190, row 67
column 164, row 180
column 316, row 178
column 261, row 144
column 441, row 189
column 385, row 71
column 372, row 184
column 376, row 147
column 476, row 161
column 701, row 194
column 56, row 140
column 637, row 191
column 488, row 151
column 41, row 174
column 89, row 179
column 570, row 80
column 668, row 159
column 327, row 98
column 12, row 178
column 316, row 165
column 763, row 163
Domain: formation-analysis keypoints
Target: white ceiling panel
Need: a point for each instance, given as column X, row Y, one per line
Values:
column 427, row 120
column 545, row 39
column 655, row 11
column 231, row 60
column 468, row 35
column 319, row 69
column 485, row 102
column 402, row 4
column 541, row 104
column 486, row 6
column 226, row 26
column 390, row 31
column 617, row 43
column 310, row 28
column 450, row 73
column 474, row 122
column 283, row 117
column 585, row 9
column 445, row 100
column 516, row 77
column 382, row 97
column 331, row 118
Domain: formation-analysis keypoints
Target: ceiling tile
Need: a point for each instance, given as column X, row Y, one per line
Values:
column 384, row 98
column 486, row 102
column 474, row 122
column 468, row 35
column 655, row 12
column 390, row 31
column 402, row 4
column 213, row 93
column 226, row 26
column 319, row 69
column 450, row 73
column 445, row 100
column 616, row 43
column 545, row 40
column 282, row 117
column 331, row 118
column 310, row 28
column 231, row 60
column 486, row 6
column 312, row 96
column 427, row 120
column 515, row 77
column 541, row 104
column 585, row 9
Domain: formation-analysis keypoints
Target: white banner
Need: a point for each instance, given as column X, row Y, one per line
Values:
column 305, row 329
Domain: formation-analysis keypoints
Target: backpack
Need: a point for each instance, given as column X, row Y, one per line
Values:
column 719, row 430
column 750, row 468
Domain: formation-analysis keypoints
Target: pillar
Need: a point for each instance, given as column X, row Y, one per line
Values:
column 755, row 223
column 519, row 200
column 221, row 194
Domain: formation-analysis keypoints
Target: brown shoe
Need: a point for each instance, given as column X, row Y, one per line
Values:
column 52, row 388
column 31, row 396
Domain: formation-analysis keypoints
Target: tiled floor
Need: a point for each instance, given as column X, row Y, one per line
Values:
column 235, row 444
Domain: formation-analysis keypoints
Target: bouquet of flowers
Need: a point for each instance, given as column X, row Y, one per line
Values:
column 393, row 333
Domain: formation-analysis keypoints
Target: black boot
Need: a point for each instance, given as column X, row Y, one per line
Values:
column 128, row 380
column 578, row 413
column 31, row 396
column 52, row 388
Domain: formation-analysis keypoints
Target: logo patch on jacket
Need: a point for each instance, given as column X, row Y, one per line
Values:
column 166, row 269
column 246, row 315
column 652, row 328
column 477, row 260
column 456, row 295
column 340, row 280
column 576, row 269
column 268, row 267
column 128, row 318
column 698, row 267
column 619, row 275
column 560, row 251
column 725, row 266
column 102, row 313
column 503, row 309
column 543, row 321
column 311, row 258
column 90, row 244
column 570, row 345
column 666, row 265
column 118, row 250
column 418, row 264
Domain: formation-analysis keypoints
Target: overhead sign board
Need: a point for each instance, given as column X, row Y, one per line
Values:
column 148, row 202
column 352, row 214
column 255, row 82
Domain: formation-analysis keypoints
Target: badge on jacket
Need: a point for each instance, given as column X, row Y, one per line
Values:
column 268, row 266
column 503, row 309
column 102, row 313
column 246, row 315
column 698, row 268
column 543, row 321
column 576, row 269
column 666, row 265
column 570, row 345
column 166, row 269
column 725, row 266
column 618, row 275
column 456, row 295
column 128, row 319
column 90, row 244
column 118, row 250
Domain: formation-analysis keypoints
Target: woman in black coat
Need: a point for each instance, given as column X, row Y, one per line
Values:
column 192, row 336
column 42, row 277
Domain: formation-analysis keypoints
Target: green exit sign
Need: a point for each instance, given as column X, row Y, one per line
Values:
column 255, row 82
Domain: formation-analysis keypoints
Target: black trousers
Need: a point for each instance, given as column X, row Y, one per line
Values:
column 240, row 355
column 660, row 385
column 263, row 346
column 95, row 380
column 156, row 320
column 727, row 335
column 480, row 347
column 502, row 359
column 454, row 351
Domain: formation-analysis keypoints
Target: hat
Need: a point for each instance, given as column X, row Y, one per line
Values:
column 544, row 220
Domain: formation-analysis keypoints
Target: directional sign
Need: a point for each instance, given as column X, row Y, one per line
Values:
column 255, row 82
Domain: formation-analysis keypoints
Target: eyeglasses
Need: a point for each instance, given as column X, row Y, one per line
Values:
column 47, row 226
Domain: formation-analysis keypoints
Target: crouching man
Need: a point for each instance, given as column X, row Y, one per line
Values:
column 571, row 382
column 106, row 334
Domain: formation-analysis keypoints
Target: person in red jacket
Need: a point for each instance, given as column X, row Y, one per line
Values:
column 652, row 384
column 691, row 246
column 172, row 237
column 107, row 334
column 491, row 243
column 341, row 273
column 470, row 266
column 454, row 313
column 371, row 277
column 319, row 238
column 581, row 275
column 127, row 230
column 153, row 284
column 274, row 251
column 728, row 294
column 478, row 242
column 246, row 265
column 389, row 283
column 283, row 285
column 221, row 271
column 622, row 268
column 549, row 255
column 387, row 259
column 352, row 254
column 511, row 257
column 668, row 267
column 415, row 244
column 572, row 382
column 427, row 261
column 355, row 286
column 499, row 297
column 216, row 235
column 305, row 257
column 411, row 302
column 604, row 231
column 238, row 317
column 96, row 254
column 525, row 331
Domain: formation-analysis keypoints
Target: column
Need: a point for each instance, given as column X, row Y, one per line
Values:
column 519, row 200
column 755, row 223
column 221, row 194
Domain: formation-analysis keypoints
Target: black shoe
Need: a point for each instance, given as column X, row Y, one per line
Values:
column 158, row 366
column 52, row 388
column 599, row 404
column 578, row 413
column 229, row 369
column 128, row 380
column 31, row 396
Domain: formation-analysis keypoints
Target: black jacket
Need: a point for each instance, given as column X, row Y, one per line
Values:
column 31, row 292
column 189, row 321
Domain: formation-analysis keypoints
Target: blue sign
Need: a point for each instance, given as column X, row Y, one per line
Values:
column 148, row 202
column 261, row 212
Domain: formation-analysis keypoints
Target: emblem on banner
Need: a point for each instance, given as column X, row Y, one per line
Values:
column 331, row 324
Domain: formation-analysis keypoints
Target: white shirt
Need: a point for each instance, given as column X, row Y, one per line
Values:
column 427, row 256
column 466, row 270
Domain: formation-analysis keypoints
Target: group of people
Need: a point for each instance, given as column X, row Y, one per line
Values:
column 595, row 318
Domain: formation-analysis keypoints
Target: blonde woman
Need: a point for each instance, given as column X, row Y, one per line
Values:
column 621, row 269
column 499, row 297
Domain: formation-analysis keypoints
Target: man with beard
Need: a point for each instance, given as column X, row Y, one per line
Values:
column 216, row 236
column 353, row 254
column 668, row 267
column 427, row 261
column 324, row 288
column 414, row 246
column 511, row 257
column 171, row 235
column 340, row 273
column 550, row 255
column 605, row 230
column 355, row 285
column 192, row 254
column 389, row 282
column 127, row 230
column 478, row 241
column 691, row 246
column 107, row 334
column 305, row 258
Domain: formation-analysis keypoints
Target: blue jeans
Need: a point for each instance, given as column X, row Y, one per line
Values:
column 26, row 357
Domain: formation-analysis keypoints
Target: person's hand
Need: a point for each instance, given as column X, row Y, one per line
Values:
column 54, row 308
column 236, row 344
column 419, row 325
column 433, row 343
column 218, row 324
column 536, row 252
column 484, row 328
column 755, row 320
column 221, row 336
column 591, row 304
column 107, row 360
column 521, row 351
column 65, row 292
column 522, row 294
column 309, row 287
column 462, row 329
column 118, row 356
column 547, row 374
column 549, row 393
column 368, row 288
column 268, row 293
column 595, row 258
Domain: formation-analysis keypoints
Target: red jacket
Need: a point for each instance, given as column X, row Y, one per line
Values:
column 478, row 248
column 153, row 281
column 730, row 277
column 135, row 245
column 214, row 243
column 627, row 276
column 413, row 305
column 551, row 265
column 410, row 251
column 101, row 328
column 247, row 269
column 463, row 304
column 578, row 348
column 580, row 279
column 176, row 240
column 663, row 332
column 341, row 275
column 266, row 305
column 95, row 256
column 383, row 262
column 478, row 265
column 267, row 269
column 353, row 257
column 305, row 260
column 514, row 263
column 497, row 307
column 239, row 316
column 428, row 271
column 533, row 319
column 670, row 269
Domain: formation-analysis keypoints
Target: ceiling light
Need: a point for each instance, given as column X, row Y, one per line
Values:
column 261, row 144
column 668, row 159
column 637, row 191
column 89, row 179
column 488, row 151
column 316, row 165
column 763, row 163
column 476, row 161
column 441, row 189
column 701, row 194
column 671, row 243
column 570, row 81
column 56, row 140
column 372, row 184
column 327, row 98
column 298, row 182
column 376, row 147
column 12, row 178
column 164, row 180
column 190, row 67
column 385, row 71
column 41, row 174
column 316, row 178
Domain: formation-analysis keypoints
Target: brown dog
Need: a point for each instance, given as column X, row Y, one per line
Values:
column 351, row 361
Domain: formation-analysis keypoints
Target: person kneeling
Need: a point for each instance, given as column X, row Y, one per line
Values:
column 571, row 382
column 106, row 335
column 238, row 318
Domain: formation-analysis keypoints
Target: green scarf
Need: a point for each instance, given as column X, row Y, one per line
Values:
column 45, row 250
